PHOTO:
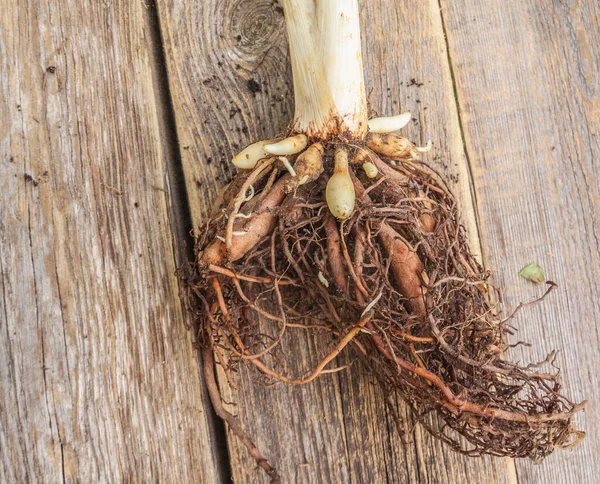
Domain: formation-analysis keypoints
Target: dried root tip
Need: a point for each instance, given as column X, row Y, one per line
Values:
column 308, row 167
column 370, row 170
column 288, row 146
column 389, row 124
column 390, row 145
column 339, row 193
column 248, row 158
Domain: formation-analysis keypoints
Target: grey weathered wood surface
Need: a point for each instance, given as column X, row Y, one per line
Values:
column 98, row 377
column 99, row 380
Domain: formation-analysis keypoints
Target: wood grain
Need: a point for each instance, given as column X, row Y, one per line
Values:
column 98, row 378
column 528, row 85
column 336, row 429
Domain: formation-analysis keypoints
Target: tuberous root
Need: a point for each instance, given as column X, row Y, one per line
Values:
column 339, row 193
column 390, row 145
column 308, row 167
column 389, row 124
column 288, row 146
column 249, row 157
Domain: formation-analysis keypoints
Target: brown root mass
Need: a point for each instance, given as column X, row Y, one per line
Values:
column 396, row 281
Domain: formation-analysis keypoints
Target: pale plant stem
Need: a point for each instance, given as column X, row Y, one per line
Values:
column 325, row 49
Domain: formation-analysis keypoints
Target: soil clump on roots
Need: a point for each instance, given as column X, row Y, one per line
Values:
column 395, row 282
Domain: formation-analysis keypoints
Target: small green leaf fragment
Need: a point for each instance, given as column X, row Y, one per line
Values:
column 533, row 273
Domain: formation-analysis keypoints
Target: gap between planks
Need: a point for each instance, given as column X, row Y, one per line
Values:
column 183, row 241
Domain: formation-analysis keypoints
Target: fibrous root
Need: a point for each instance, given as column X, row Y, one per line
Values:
column 362, row 242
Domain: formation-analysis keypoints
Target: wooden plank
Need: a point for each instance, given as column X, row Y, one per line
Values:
column 336, row 429
column 98, row 377
column 527, row 78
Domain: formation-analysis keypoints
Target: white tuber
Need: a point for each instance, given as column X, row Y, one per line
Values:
column 288, row 146
column 389, row 124
column 340, row 193
column 370, row 169
column 251, row 155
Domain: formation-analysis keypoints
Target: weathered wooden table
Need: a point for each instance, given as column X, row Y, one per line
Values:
column 117, row 123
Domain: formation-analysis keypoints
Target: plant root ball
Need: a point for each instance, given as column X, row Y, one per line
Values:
column 395, row 282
